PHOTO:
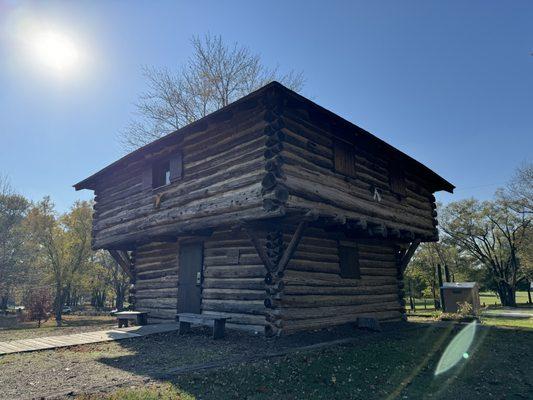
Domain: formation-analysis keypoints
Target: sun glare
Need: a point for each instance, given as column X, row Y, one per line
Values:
column 55, row 51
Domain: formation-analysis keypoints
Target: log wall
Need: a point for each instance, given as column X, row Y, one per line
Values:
column 311, row 295
column 315, row 296
column 223, row 165
column 156, row 275
column 233, row 280
column 303, row 164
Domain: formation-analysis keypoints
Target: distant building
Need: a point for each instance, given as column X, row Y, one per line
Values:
column 454, row 293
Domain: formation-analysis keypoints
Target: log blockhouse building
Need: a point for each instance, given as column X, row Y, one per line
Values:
column 272, row 211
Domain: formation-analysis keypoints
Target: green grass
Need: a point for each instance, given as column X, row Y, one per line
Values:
column 508, row 322
column 490, row 299
column 400, row 366
column 164, row 392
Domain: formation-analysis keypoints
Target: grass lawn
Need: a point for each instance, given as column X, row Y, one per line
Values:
column 399, row 367
column 12, row 329
column 487, row 298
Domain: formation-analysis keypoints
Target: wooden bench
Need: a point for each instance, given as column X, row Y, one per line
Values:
column 124, row 316
column 218, row 323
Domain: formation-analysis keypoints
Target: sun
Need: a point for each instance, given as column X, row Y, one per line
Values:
column 55, row 50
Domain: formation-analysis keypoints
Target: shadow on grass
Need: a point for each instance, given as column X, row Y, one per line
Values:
column 390, row 365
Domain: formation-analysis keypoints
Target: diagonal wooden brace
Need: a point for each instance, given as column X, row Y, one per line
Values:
column 260, row 250
column 122, row 259
column 291, row 248
column 408, row 254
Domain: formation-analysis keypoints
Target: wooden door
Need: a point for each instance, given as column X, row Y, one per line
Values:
column 190, row 277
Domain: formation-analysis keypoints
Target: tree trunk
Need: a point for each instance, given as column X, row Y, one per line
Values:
column 119, row 293
column 441, row 297
column 447, row 273
column 3, row 303
column 58, row 307
column 529, row 292
column 507, row 294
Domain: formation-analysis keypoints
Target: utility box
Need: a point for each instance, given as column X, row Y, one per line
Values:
column 460, row 292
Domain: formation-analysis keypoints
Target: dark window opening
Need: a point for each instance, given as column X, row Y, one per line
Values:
column 345, row 162
column 349, row 262
column 397, row 179
column 161, row 174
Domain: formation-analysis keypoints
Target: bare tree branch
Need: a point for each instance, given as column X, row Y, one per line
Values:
column 216, row 74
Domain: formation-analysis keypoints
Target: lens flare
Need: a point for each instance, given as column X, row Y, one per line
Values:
column 457, row 349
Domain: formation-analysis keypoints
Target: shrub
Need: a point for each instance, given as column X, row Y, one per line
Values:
column 465, row 309
column 39, row 304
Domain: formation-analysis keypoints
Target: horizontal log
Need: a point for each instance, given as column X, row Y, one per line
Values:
column 238, row 271
column 235, row 306
column 289, row 327
column 339, row 290
column 240, row 319
column 337, row 300
column 233, row 294
column 160, row 303
column 235, row 283
column 350, row 312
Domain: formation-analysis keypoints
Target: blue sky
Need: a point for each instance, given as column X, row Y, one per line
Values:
column 450, row 83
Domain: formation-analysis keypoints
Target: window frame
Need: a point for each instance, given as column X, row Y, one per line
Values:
column 173, row 166
column 344, row 158
column 161, row 173
column 349, row 254
column 397, row 182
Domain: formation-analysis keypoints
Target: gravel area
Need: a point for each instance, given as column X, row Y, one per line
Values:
column 86, row 368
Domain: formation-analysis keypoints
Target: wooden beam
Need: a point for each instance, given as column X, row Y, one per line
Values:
column 310, row 216
column 293, row 244
column 408, row 254
column 122, row 259
column 291, row 248
column 260, row 250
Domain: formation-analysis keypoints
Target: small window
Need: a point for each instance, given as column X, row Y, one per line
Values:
column 397, row 179
column 344, row 155
column 161, row 174
column 349, row 262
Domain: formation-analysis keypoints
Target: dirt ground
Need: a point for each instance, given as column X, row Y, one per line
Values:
column 88, row 368
column 11, row 328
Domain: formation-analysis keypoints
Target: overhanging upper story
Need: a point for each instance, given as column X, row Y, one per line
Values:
column 271, row 154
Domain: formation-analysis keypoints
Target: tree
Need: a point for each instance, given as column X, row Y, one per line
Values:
column 118, row 279
column 493, row 234
column 39, row 303
column 14, row 259
column 422, row 271
column 214, row 76
column 64, row 244
column 518, row 193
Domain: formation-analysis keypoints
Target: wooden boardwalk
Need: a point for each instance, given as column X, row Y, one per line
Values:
column 52, row 342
